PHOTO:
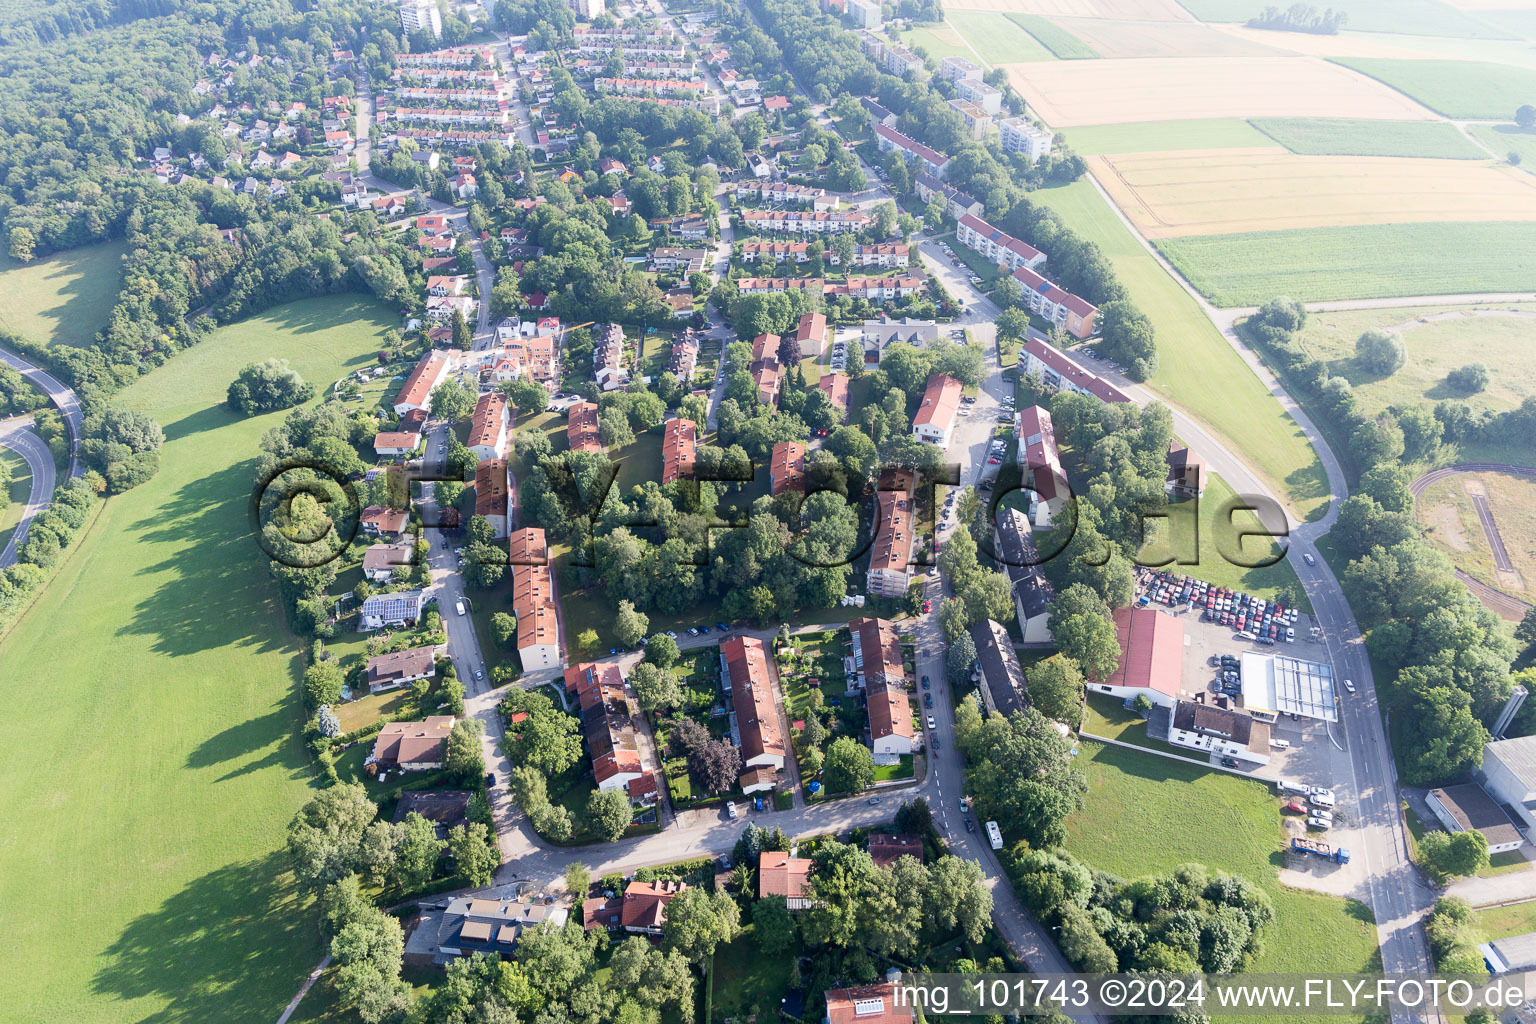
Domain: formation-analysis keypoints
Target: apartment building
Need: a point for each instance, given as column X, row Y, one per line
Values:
column 890, row 554
column 889, row 139
column 1076, row 315
column 533, row 600
column 1020, row 135
column 934, row 420
column 997, row 245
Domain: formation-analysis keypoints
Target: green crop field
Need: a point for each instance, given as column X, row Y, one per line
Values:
column 64, row 299
column 1199, row 371
column 1160, row 136
column 1454, row 88
column 938, row 41
column 146, row 799
column 1053, row 37
column 18, row 492
column 998, row 40
column 1409, row 17
column 1504, row 139
column 1146, row 814
column 1357, row 262
column 1346, row 137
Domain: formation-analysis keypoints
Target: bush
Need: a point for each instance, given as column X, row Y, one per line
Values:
column 1381, row 352
column 269, row 385
column 1469, row 379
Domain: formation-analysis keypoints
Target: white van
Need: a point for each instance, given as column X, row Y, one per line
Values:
column 1321, row 800
column 1279, row 744
column 1293, row 787
column 458, row 606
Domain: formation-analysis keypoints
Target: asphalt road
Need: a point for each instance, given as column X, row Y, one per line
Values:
column 17, row 435
column 63, row 398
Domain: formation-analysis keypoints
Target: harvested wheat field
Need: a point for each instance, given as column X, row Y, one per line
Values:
column 1161, row 39
column 1076, row 92
column 1225, row 191
column 1344, row 45
column 1121, row 10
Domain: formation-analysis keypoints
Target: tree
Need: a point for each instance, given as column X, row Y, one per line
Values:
column 368, row 951
column 629, row 626
column 1468, row 379
column 1448, row 855
column 716, row 765
column 23, row 244
column 1525, row 117
column 661, row 651
column 264, row 386
column 529, row 788
column 610, row 813
column 416, row 851
column 1088, row 637
column 485, row 565
column 324, row 836
column 451, row 401
column 1380, row 352
column 960, row 659
column 698, row 921
column 472, row 852
column 656, row 689
column 323, row 683
column 465, row 756
column 1441, row 737
column 548, row 740
column 463, row 335
column 772, row 924
column 956, row 898
column 526, row 395
column 587, row 641
column 849, row 766
column 554, row 822
column 1021, row 772
column 1056, row 688
column 504, row 630
column 1012, row 324
column 578, row 880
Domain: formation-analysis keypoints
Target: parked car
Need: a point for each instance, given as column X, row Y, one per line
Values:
column 1349, row 684
column 931, row 723
column 490, row 780
column 970, row 826
column 873, row 801
column 1295, row 807
column 927, row 606
column 925, row 682
column 731, row 812
column 1320, row 824
column 927, row 700
column 1230, row 762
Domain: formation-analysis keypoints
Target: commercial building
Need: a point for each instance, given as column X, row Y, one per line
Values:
column 1056, row 371
column 754, row 719
column 1004, row 688
column 878, row 671
column 998, row 246
column 1220, row 732
column 533, row 600
column 1151, row 658
column 890, row 553
column 935, row 417
column 1467, row 808
column 1021, row 135
column 1014, row 542
column 492, row 494
column 679, row 445
column 1040, row 463
column 1077, row 316
column 1509, row 774
column 786, row 468
column 1274, row 685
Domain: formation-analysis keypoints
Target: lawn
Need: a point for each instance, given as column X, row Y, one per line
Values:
column 1358, row 262
column 1108, row 717
column 937, row 41
column 1145, row 814
column 1350, row 137
column 1503, row 922
column 1172, row 537
column 149, row 881
column 1438, row 339
column 745, row 982
column 1410, row 17
column 996, row 38
column 1461, row 89
column 897, row 770
column 1053, row 37
column 1504, row 139
column 19, row 491
column 64, row 299
column 1159, row 136
column 1198, row 370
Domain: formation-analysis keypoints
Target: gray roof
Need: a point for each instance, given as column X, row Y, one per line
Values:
column 1519, row 756
column 1517, row 951
column 1015, row 541
column 1001, row 674
column 405, row 604
column 1474, row 809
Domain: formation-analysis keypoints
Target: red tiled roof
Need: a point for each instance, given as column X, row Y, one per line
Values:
column 423, row 377
column 1038, row 439
column 385, row 520
column 485, row 428
column 941, row 400
column 533, row 598
column 757, row 715
column 679, row 443
column 581, row 430
column 892, row 547
column 885, row 849
column 872, row 1004
column 491, row 487
column 779, row 874
column 1151, row 651
column 786, row 467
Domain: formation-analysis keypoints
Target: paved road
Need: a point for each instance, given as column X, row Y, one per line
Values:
column 17, row 435
column 61, row 395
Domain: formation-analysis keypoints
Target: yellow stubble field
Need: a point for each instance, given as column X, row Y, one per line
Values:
column 1123, row 10
column 1113, row 39
column 1066, row 93
column 1223, row 191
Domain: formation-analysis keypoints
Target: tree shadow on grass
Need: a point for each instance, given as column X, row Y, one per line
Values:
column 208, row 418
column 233, row 945
column 216, row 592
column 274, row 730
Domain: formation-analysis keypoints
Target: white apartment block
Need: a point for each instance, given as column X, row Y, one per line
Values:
column 865, row 13
column 956, row 69
column 981, row 94
column 421, row 15
column 976, row 119
column 1024, row 136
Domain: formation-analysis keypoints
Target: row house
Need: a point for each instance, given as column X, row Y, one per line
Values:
column 683, row 360
column 998, row 246
column 581, row 432
column 832, row 222
column 889, row 139
column 1040, row 463
column 465, row 95
column 754, row 716
column 533, row 600
column 490, row 429
column 769, row 285
column 884, row 254
column 492, row 493
column 956, row 203
column 879, row 672
column 607, row 722
column 878, row 289
column 1076, row 315
column 637, row 86
column 679, row 447
column 458, row 57
column 452, row 115
column 881, row 254
column 786, row 468
column 455, row 138
column 890, row 553
column 765, row 369
column 784, row 192
column 643, row 51
column 1021, row 135
column 608, row 359
column 480, row 78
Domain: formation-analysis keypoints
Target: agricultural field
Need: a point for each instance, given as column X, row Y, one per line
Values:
column 996, row 38
column 1199, row 370
column 1504, row 139
column 17, row 493
column 938, row 41
column 1446, row 508
column 1056, row 38
column 1356, row 262
column 1160, row 39
column 163, row 633
column 1178, row 813
column 1342, row 137
column 1065, row 94
column 1162, row 136
column 64, row 299
column 1462, row 89
column 1414, row 17
column 1122, row 10
column 1223, row 192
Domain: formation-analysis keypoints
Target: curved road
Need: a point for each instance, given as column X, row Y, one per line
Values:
column 61, row 395
column 17, row 435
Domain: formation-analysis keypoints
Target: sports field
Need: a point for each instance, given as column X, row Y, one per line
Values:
column 64, row 299
column 1146, row 814
column 1361, row 262
column 1198, row 369
column 1161, row 136
column 1327, row 136
column 997, row 38
column 1447, row 509
column 1418, row 17
column 1078, row 92
column 1460, row 89
column 1226, row 191
column 1053, row 36
column 1127, row 10
column 1160, row 39
column 147, row 796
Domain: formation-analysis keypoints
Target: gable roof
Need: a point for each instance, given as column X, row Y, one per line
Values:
column 1151, row 651
column 779, row 874
column 412, row 742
